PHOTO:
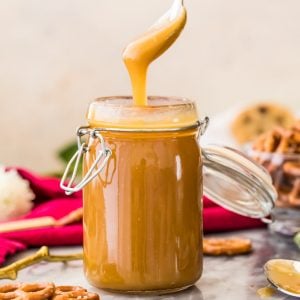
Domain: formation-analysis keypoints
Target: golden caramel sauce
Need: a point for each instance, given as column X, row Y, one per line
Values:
column 140, row 53
column 266, row 292
column 285, row 274
column 143, row 213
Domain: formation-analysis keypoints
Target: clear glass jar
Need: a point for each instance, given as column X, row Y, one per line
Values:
column 142, row 190
column 285, row 172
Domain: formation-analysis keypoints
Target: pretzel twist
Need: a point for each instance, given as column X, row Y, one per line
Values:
column 44, row 291
column 27, row 291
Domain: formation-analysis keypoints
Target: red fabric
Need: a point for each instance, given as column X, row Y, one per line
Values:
column 8, row 247
column 51, row 201
column 219, row 219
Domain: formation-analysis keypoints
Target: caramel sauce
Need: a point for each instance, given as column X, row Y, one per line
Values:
column 266, row 292
column 142, row 215
column 285, row 274
column 140, row 53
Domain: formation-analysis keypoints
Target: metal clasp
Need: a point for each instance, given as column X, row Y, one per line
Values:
column 203, row 124
column 97, row 166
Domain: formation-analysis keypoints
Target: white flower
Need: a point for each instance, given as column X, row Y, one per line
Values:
column 15, row 195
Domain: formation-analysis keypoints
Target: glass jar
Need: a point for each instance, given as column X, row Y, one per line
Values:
column 142, row 185
column 285, row 172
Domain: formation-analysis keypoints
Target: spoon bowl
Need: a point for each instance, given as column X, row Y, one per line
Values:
column 284, row 275
column 173, row 13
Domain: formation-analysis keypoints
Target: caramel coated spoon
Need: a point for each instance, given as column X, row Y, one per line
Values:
column 141, row 52
column 284, row 275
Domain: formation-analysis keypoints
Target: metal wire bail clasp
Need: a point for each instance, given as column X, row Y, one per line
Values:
column 98, row 165
column 202, row 124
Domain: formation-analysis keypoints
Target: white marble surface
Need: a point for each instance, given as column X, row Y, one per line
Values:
column 236, row 278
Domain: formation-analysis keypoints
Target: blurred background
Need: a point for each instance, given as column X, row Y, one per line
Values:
column 57, row 56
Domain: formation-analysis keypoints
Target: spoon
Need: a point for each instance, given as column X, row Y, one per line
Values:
column 173, row 13
column 284, row 275
column 158, row 38
column 141, row 52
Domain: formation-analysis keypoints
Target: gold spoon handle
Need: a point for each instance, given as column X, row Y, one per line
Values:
column 11, row 271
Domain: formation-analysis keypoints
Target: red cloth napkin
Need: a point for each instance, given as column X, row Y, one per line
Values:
column 52, row 201
column 219, row 219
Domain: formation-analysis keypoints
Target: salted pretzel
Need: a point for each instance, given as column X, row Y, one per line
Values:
column 44, row 291
column 279, row 140
column 226, row 246
column 73, row 292
column 294, row 196
column 278, row 151
column 292, row 168
column 26, row 291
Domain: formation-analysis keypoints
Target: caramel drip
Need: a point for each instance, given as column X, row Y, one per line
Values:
column 140, row 53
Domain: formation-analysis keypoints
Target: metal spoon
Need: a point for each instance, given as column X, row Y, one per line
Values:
column 174, row 11
column 278, row 271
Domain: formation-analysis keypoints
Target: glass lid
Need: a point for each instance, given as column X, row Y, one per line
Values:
column 236, row 182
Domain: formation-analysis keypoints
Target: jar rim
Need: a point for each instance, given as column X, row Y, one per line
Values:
column 161, row 113
column 154, row 102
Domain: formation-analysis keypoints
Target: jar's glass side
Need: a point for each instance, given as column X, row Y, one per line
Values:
column 285, row 172
column 142, row 214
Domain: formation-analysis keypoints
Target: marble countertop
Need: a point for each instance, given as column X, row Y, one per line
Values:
column 226, row 278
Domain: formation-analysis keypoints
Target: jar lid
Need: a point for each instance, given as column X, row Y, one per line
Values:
column 236, row 182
